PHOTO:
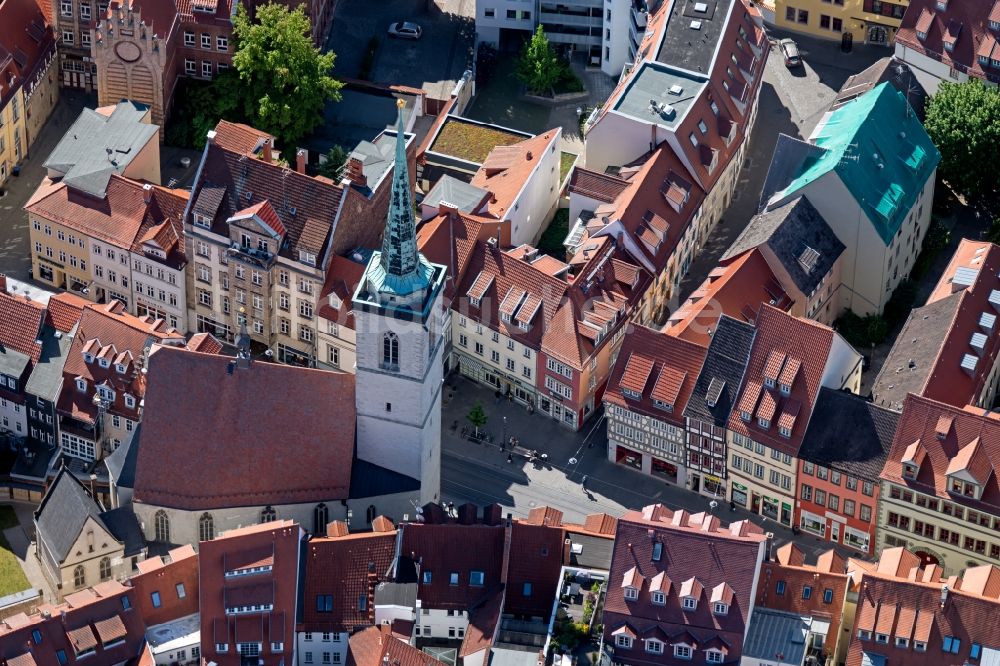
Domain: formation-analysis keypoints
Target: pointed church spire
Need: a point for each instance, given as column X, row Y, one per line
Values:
column 399, row 243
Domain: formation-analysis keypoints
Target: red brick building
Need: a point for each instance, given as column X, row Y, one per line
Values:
column 248, row 594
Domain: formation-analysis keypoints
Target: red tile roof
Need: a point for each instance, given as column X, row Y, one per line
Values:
column 507, row 169
column 64, row 311
column 164, row 575
column 595, row 185
column 454, row 549
column 376, row 646
column 698, row 554
column 26, row 45
column 910, row 604
column 205, row 343
column 21, row 321
column 736, row 288
column 965, row 22
column 347, row 567
column 674, row 365
column 535, row 558
column 109, row 332
column 277, row 586
column 794, row 339
column 973, row 440
column 335, row 300
column 192, row 395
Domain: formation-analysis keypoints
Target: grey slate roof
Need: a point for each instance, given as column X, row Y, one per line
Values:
column 887, row 70
column 596, row 552
column 121, row 462
column 460, row 194
column 727, row 358
column 915, row 352
column 691, row 49
column 849, row 433
column 396, row 594
column 788, row 231
column 64, row 511
column 46, row 377
column 12, row 362
column 774, row 632
column 124, row 526
column 786, row 163
column 96, row 146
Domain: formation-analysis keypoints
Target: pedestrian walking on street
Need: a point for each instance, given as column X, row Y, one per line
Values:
column 583, row 482
column 732, row 505
column 510, row 457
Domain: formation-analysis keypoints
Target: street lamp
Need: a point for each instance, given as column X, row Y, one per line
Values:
column 712, row 506
column 503, row 437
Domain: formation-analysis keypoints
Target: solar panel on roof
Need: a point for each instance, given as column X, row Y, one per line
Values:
column 965, row 276
column 808, row 259
column 987, row 321
column 969, row 362
column 978, row 340
column 995, row 298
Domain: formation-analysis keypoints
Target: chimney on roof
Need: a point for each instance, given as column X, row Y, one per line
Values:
column 265, row 151
column 567, row 550
column 301, row 157
column 355, row 171
column 530, row 156
column 210, row 136
column 147, row 193
column 944, row 595
column 508, row 534
column 3, row 283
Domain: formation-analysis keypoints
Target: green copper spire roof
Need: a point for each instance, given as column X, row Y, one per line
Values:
column 399, row 273
column 881, row 152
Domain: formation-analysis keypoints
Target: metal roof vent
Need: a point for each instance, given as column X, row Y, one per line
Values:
column 676, row 89
column 701, row 7
column 696, row 25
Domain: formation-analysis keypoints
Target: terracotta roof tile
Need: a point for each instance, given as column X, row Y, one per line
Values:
column 457, row 550
column 111, row 629
column 963, row 22
column 179, row 379
column 594, row 185
column 507, row 168
column 21, row 322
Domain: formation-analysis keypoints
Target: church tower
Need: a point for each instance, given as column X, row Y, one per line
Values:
column 399, row 320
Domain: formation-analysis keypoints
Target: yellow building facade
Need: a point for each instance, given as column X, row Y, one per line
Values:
column 59, row 255
column 12, row 134
column 866, row 21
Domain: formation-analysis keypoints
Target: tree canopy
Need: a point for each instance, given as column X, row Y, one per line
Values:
column 285, row 80
column 539, row 66
column 963, row 120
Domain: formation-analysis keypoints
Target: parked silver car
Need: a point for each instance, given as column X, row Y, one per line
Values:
column 405, row 30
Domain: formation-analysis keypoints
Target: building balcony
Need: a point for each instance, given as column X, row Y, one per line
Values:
column 554, row 21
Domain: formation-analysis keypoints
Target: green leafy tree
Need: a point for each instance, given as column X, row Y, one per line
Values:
column 963, row 120
column 285, row 80
column 477, row 417
column 336, row 157
column 539, row 67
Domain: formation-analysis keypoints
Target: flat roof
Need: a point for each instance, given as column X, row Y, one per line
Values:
column 174, row 634
column 472, row 141
column 692, row 33
column 674, row 92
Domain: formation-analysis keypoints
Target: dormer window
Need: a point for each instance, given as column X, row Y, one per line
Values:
column 659, row 404
column 864, row 635
column 964, row 488
column 88, row 357
column 631, row 593
column 106, row 393
column 689, row 603
column 995, row 25
column 202, row 221
column 81, row 384
column 719, row 608
column 129, row 402
column 921, row 35
column 623, row 641
column 785, row 389
column 910, row 471
column 784, row 432
column 764, row 423
column 942, row 5
column 475, row 303
column 659, row 599
column 713, row 656
column 882, row 639
column 949, row 45
column 104, row 363
column 682, row 651
column 308, row 258
column 654, row 646
column 745, row 416
column 769, row 382
column 629, row 393
column 120, row 369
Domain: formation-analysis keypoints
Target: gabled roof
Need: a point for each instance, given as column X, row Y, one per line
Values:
column 97, row 146
column 451, row 549
column 342, row 278
column 799, row 238
column 506, row 170
column 63, row 513
column 21, row 321
column 674, row 365
column 805, row 341
column 968, row 20
column 348, row 567
column 879, row 150
column 64, row 310
column 698, row 554
column 849, row 433
column 193, row 395
column 376, row 646
column 721, row 376
column 970, row 446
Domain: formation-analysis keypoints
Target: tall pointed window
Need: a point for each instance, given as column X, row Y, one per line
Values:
column 105, row 568
column 321, row 516
column 206, row 527
column 390, row 351
column 268, row 514
column 162, row 527
column 79, row 576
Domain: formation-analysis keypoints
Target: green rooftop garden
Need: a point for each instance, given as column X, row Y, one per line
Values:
column 469, row 141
